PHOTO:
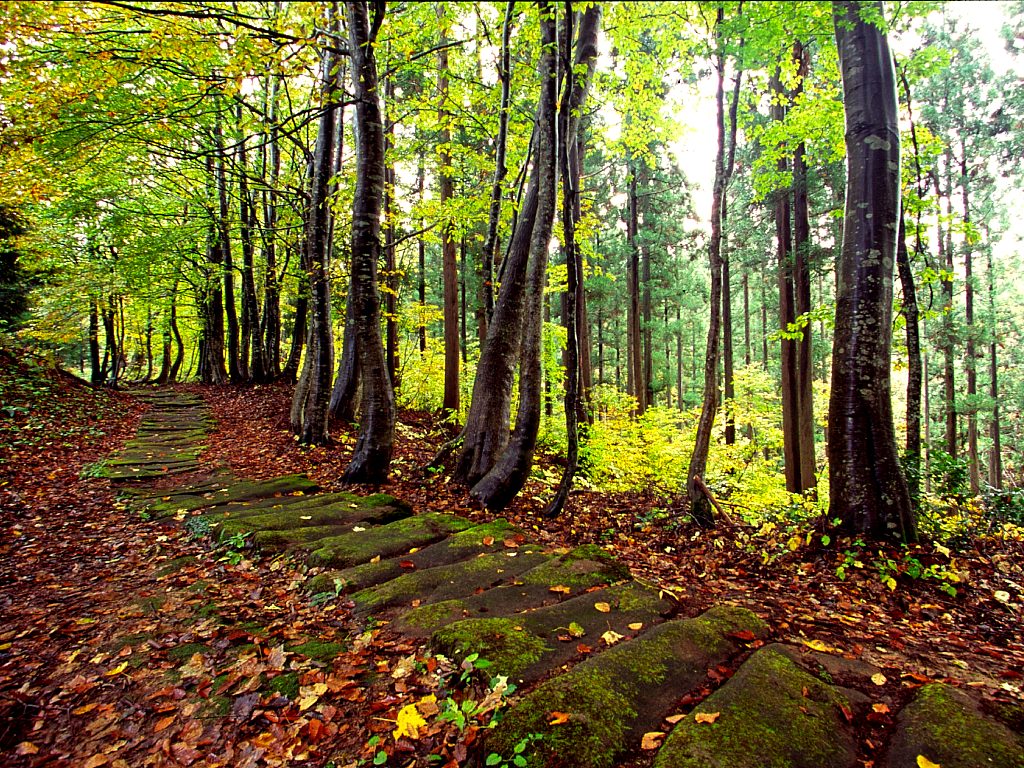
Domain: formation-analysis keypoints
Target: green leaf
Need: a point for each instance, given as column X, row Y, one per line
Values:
column 493, row 759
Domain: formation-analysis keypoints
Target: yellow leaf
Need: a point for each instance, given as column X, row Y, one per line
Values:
column 611, row 637
column 558, row 718
column 409, row 723
column 636, row 626
column 375, row 559
column 85, row 708
column 924, row 762
column 560, row 588
column 651, row 740
column 427, row 706
column 706, row 717
column 673, row 719
column 116, row 670
column 794, row 543
column 305, row 702
column 603, row 607
column 882, row 709
column 879, row 679
column 818, row 645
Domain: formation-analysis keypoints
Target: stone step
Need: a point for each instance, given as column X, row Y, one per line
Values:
column 237, row 492
column 459, row 546
column 386, row 540
column 610, row 700
column 771, row 712
column 445, row 582
column 561, row 576
column 526, row 647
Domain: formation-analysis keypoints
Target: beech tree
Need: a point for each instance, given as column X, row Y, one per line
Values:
column 867, row 488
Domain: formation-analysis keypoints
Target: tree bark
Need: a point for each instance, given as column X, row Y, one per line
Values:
column 372, row 454
column 973, row 460
column 252, row 350
column 96, row 370
column 449, row 268
column 235, row 371
column 995, row 462
column 912, row 454
column 634, row 342
column 868, row 490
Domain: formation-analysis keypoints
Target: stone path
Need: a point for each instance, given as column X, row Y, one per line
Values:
column 600, row 660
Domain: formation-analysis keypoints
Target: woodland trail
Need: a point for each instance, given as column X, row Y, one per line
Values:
column 311, row 634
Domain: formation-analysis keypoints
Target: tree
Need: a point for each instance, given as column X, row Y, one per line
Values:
column 372, row 454
column 868, row 491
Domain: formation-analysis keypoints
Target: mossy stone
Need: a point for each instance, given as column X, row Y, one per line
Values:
column 433, row 616
column 614, row 697
column 580, row 569
column 772, row 714
column 235, row 492
column 279, row 541
column 947, row 727
column 503, row 642
column 385, row 540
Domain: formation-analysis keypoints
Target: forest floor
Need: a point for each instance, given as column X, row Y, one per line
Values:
column 105, row 612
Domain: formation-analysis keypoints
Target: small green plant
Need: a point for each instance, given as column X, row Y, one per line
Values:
column 233, row 546
column 322, row 598
column 94, row 470
column 197, row 527
column 518, row 758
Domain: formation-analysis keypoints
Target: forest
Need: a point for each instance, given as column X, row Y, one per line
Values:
column 722, row 300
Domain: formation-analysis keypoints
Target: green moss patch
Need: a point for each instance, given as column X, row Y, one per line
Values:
column 346, row 512
column 503, row 642
column 772, row 714
column 286, row 684
column 186, row 651
column 236, row 492
column 278, row 541
column 444, row 581
column 317, row 649
column 580, row 569
column 614, row 697
column 947, row 727
column 426, row 619
column 386, row 540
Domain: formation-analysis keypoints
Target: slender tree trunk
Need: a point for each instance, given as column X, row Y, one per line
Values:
column 235, row 371
column 746, row 318
column 647, row 329
column 912, row 455
column 868, row 490
column 728, row 366
column 635, row 370
column 390, row 264
column 96, row 370
column 504, row 480
column 291, row 367
column 252, row 350
column 700, row 508
column 995, row 462
column 211, row 299
column 421, row 286
column 973, row 459
column 271, row 156
column 948, row 333
column 179, row 345
column 372, row 455
column 449, row 268
column 500, row 170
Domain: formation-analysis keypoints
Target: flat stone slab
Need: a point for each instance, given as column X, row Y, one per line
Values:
column 290, row 520
column 239, row 491
column 459, row 546
column 554, row 633
column 610, row 700
column 948, row 728
column 445, row 582
column 386, row 540
column 771, row 714
column 559, row 577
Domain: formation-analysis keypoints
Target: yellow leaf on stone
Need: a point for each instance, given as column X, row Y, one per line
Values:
column 636, row 626
column 611, row 637
column 409, row 723
column 706, row 717
column 603, row 607
column 924, row 762
column 560, row 588
column 651, row 740
column 879, row 679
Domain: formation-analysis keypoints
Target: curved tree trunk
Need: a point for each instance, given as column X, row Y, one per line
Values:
column 377, row 405
column 912, row 454
column 868, row 490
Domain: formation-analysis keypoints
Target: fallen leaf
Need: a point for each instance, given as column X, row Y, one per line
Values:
column 427, row 706
column 818, row 645
column 924, row 762
column 96, row 761
column 488, row 540
column 560, row 588
column 879, row 679
column 1002, row 596
column 881, row 709
column 603, row 607
column 706, row 717
column 375, row 559
column 673, row 719
column 559, row 718
column 583, row 648
column 26, row 748
column 652, row 740
column 611, row 637
column 116, row 670
column 408, row 723
column 576, row 630
column 163, row 723
column 85, row 708
column 636, row 626
column 406, row 564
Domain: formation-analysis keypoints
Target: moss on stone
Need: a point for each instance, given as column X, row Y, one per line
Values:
column 433, row 616
column 186, row 651
column 503, row 642
column 385, row 540
column 286, row 684
column 772, row 714
column 277, row 541
column 615, row 696
column 174, row 565
column 237, row 491
column 318, row 649
column 947, row 727
column 579, row 569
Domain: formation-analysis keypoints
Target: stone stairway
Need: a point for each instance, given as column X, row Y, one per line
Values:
column 600, row 659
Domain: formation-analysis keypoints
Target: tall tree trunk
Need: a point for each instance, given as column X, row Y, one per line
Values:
column 802, row 293
column 995, row 462
column 634, row 342
column 868, row 490
column 291, row 366
column 973, row 460
column 252, row 351
column 235, row 371
column 728, row 366
column 504, row 480
column 700, row 508
column 390, row 265
column 179, row 345
column 96, row 370
column 500, row 170
column 948, row 331
column 311, row 399
column 372, row 454
column 421, row 249
column 912, row 455
column 211, row 298
column 449, row 269
column 746, row 318
column 271, row 166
